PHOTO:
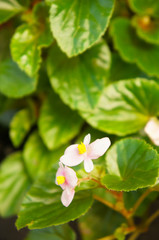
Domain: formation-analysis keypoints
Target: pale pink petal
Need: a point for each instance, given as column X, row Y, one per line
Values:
column 67, row 196
column 61, row 172
column 152, row 130
column 71, row 178
column 87, row 139
column 71, row 156
column 88, row 165
column 98, row 148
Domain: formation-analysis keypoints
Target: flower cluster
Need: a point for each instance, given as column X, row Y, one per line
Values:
column 74, row 155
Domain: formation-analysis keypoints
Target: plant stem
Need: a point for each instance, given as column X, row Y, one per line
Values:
column 123, row 212
column 140, row 200
column 152, row 218
column 134, row 235
column 110, row 237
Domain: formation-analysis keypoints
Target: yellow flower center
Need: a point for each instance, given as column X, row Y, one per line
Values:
column 60, row 180
column 81, row 148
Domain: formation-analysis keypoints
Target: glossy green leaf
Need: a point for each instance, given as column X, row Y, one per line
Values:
column 29, row 39
column 63, row 232
column 79, row 81
column 125, row 106
column 9, row 8
column 133, row 49
column 147, row 29
column 38, row 159
column 14, row 182
column 20, row 126
column 131, row 164
column 77, row 25
column 148, row 7
column 42, row 206
column 13, row 82
column 57, row 123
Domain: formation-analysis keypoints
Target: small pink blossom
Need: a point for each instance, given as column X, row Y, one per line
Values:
column 77, row 153
column 67, row 179
column 152, row 130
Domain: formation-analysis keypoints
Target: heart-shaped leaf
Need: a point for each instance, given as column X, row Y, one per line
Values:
column 125, row 106
column 77, row 25
column 79, row 81
column 131, row 164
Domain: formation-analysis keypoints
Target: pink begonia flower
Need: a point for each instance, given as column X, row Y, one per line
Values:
column 152, row 130
column 67, row 179
column 77, row 153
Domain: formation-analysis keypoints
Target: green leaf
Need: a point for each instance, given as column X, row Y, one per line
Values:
column 125, row 106
column 9, row 8
column 38, row 159
column 63, row 232
column 147, row 29
column 14, row 183
column 20, row 126
column 134, row 50
column 123, row 70
column 150, row 7
column 42, row 206
column 131, row 164
column 29, row 39
column 57, row 123
column 99, row 221
column 77, row 25
column 79, row 81
column 5, row 36
column 15, row 83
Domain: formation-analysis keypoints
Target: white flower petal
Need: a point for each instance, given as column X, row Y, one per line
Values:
column 98, row 148
column 71, row 177
column 152, row 130
column 71, row 156
column 88, row 165
column 67, row 196
column 87, row 139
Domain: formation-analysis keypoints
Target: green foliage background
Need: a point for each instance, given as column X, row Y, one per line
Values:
column 69, row 68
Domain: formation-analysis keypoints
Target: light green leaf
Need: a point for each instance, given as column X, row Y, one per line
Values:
column 29, row 39
column 79, row 81
column 57, row 123
column 42, row 206
column 9, row 8
column 134, row 50
column 131, row 164
column 63, row 232
column 15, row 83
column 38, row 159
column 150, row 7
column 14, row 182
column 77, row 25
column 146, row 28
column 20, row 126
column 125, row 106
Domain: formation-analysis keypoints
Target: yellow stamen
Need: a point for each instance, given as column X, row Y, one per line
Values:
column 60, row 180
column 81, row 148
